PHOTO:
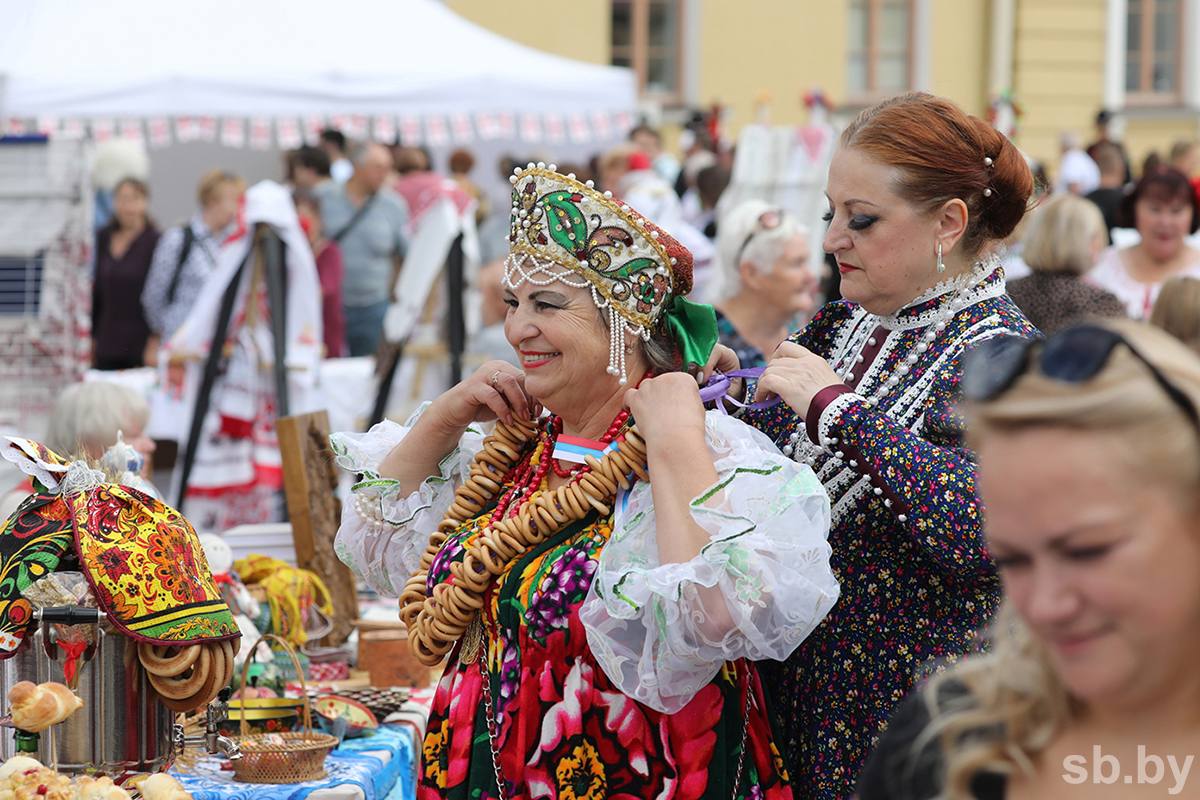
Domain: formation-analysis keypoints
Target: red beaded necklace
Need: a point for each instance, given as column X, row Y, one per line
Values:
column 527, row 476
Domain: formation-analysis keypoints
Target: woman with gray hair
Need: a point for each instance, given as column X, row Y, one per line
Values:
column 764, row 282
column 85, row 421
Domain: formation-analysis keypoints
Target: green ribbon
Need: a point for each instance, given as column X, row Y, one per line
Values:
column 693, row 326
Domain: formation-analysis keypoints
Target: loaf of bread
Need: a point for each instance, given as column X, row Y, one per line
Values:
column 36, row 707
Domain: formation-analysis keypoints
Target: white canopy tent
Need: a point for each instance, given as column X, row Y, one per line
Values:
column 407, row 67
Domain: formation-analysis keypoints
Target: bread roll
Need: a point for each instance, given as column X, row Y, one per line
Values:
column 102, row 788
column 18, row 764
column 160, row 786
column 37, row 707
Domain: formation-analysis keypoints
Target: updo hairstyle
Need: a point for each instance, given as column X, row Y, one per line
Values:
column 740, row 238
column 941, row 153
column 1164, row 185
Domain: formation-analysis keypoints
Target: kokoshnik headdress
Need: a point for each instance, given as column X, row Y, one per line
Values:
column 635, row 270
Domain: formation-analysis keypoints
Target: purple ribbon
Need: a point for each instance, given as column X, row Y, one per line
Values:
column 719, row 382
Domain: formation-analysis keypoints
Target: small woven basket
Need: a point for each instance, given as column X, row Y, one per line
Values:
column 282, row 757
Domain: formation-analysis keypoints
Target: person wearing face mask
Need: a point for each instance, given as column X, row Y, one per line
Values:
column 1164, row 209
column 764, row 282
column 187, row 255
column 920, row 193
column 1089, row 464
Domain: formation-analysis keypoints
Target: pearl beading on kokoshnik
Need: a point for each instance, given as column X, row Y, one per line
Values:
column 525, row 268
column 606, row 214
column 806, row 451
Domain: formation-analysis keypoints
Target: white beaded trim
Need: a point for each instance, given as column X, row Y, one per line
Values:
column 807, row 451
column 519, row 268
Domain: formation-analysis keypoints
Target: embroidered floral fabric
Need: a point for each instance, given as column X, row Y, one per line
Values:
column 563, row 690
column 912, row 591
column 141, row 558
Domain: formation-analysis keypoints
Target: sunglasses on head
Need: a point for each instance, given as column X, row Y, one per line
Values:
column 1075, row 355
column 767, row 221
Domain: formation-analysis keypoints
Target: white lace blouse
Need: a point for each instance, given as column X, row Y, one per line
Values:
column 647, row 623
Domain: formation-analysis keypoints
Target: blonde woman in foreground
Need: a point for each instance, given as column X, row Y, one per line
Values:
column 1089, row 467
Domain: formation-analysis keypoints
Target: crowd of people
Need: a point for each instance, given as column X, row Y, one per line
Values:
column 889, row 638
column 935, row 537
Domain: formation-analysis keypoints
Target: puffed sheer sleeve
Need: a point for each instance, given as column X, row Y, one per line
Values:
column 383, row 535
column 651, row 624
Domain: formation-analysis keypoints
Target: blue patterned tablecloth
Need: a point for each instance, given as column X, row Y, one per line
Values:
column 379, row 780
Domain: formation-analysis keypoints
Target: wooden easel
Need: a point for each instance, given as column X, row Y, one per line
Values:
column 310, row 482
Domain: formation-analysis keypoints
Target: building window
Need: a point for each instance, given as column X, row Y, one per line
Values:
column 646, row 37
column 1152, row 49
column 879, row 48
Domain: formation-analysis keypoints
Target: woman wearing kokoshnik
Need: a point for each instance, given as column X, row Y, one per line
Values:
column 613, row 582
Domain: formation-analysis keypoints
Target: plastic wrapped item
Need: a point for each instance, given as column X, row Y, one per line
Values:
column 125, row 463
column 66, row 589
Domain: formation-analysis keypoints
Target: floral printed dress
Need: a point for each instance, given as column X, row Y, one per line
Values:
column 917, row 582
column 603, row 677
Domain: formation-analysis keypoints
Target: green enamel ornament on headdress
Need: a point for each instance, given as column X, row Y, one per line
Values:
column 634, row 269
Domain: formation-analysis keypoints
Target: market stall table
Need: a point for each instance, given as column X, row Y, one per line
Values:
column 378, row 766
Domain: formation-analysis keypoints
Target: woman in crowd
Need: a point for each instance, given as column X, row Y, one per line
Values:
column 765, row 282
column 600, row 626
column 124, row 248
column 1062, row 240
column 1164, row 209
column 330, row 270
column 187, row 255
column 918, row 194
column 85, row 421
column 1089, row 463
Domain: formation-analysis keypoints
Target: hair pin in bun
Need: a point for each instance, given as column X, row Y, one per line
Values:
column 987, row 161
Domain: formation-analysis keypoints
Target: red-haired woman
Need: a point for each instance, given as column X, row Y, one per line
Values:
column 919, row 194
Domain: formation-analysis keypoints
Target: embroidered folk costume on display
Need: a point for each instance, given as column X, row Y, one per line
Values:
column 579, row 664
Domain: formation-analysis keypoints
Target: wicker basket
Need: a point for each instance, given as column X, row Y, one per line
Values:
column 282, row 757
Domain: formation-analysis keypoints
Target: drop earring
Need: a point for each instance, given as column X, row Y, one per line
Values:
column 941, row 267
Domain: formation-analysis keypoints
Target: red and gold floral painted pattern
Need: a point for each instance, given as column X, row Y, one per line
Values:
column 565, row 730
column 147, row 568
column 32, row 543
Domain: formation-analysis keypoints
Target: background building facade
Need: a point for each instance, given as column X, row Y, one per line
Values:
column 1060, row 61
